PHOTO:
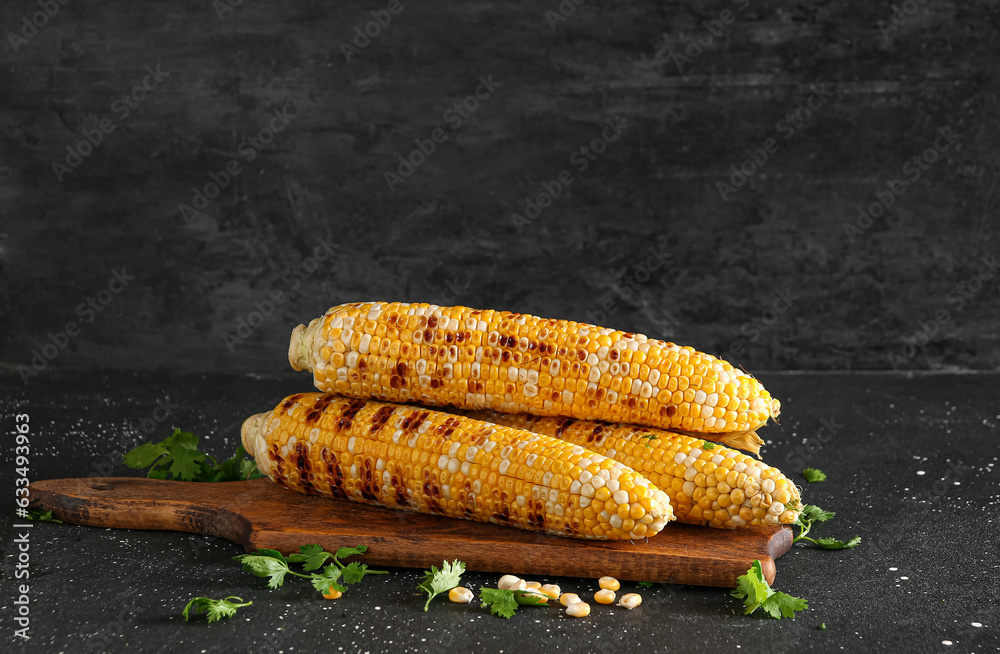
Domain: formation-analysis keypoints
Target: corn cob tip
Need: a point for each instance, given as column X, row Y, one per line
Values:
column 249, row 431
column 296, row 356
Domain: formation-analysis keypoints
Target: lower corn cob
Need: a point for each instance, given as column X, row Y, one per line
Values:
column 412, row 458
column 708, row 484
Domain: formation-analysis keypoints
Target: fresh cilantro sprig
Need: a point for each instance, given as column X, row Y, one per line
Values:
column 275, row 566
column 810, row 514
column 505, row 602
column 214, row 609
column 37, row 515
column 756, row 593
column 178, row 457
column 813, row 475
column 440, row 581
column 644, row 584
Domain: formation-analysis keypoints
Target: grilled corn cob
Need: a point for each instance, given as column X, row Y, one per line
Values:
column 412, row 458
column 484, row 359
column 708, row 484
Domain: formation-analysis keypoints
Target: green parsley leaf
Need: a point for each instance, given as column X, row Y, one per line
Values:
column 822, row 626
column 756, row 593
column 644, row 584
column 708, row 446
column 440, row 581
column 834, row 544
column 145, row 455
column 354, row 572
column 274, row 554
column 501, row 602
column 327, row 579
column 187, row 465
column 37, row 515
column 236, row 468
column 266, row 566
column 178, row 457
column 311, row 556
column 811, row 513
column 214, row 609
column 271, row 563
column 345, row 552
column 779, row 605
column 530, row 598
column 814, row 475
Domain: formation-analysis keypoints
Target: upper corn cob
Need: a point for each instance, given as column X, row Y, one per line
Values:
column 511, row 362
column 412, row 458
column 707, row 484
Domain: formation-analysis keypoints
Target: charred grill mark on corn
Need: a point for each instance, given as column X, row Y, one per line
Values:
column 717, row 487
column 411, row 458
column 484, row 359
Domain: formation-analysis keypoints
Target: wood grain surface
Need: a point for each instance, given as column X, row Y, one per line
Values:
column 258, row 514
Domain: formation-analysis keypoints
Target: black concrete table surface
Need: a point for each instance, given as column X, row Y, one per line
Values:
column 911, row 462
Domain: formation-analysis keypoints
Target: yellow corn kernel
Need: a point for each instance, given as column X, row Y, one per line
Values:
column 552, row 590
column 578, row 610
column 630, row 600
column 604, row 596
column 569, row 598
column 460, row 595
column 608, row 583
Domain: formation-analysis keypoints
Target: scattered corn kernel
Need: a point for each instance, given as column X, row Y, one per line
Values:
column 532, row 585
column 507, row 582
column 578, row 609
column 604, row 596
column 551, row 590
column 460, row 595
column 609, row 583
column 569, row 598
column 630, row 600
column 333, row 593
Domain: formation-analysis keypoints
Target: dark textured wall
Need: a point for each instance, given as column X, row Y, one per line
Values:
column 645, row 238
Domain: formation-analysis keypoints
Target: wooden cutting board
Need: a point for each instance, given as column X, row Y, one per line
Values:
column 259, row 513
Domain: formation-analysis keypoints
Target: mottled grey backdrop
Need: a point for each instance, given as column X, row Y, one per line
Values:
column 855, row 106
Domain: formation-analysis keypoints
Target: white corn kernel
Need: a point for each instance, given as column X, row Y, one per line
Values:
column 532, row 585
column 507, row 582
column 630, row 600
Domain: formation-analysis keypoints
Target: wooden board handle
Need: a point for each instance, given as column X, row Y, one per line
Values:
column 137, row 503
